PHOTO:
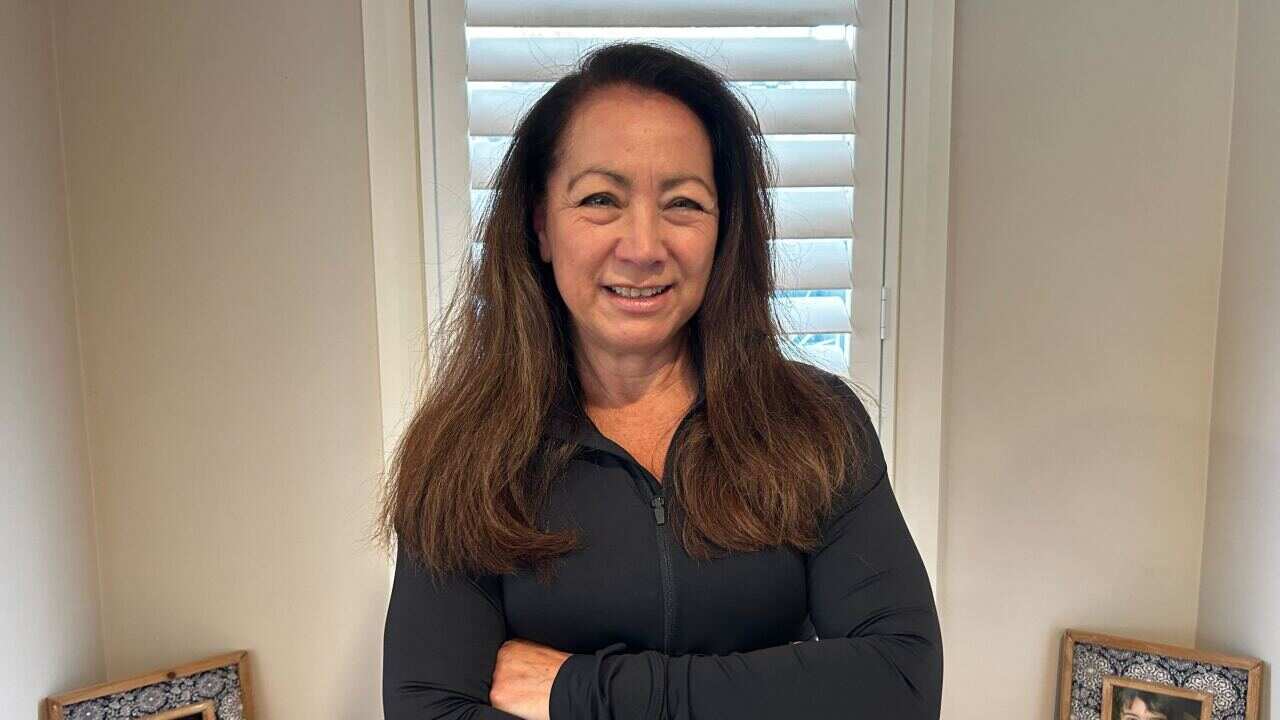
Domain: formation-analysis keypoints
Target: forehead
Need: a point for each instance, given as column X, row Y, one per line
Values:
column 627, row 126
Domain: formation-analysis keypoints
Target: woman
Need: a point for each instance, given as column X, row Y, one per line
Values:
column 618, row 498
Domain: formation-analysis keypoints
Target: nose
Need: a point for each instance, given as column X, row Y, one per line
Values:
column 641, row 240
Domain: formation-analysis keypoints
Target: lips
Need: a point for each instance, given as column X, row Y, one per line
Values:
column 634, row 293
column 643, row 306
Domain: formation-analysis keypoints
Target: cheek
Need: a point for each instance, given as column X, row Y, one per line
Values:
column 576, row 261
column 699, row 255
column 570, row 278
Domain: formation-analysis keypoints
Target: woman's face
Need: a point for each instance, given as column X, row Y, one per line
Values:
column 631, row 205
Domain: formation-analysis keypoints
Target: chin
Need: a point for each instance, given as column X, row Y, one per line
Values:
column 633, row 344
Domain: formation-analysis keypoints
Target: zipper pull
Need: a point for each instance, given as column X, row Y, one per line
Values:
column 658, row 511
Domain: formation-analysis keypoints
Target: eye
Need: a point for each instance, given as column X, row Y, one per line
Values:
column 692, row 204
column 590, row 200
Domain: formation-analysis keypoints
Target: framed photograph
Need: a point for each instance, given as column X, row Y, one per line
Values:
column 1128, row 699
column 216, row 688
column 1102, row 675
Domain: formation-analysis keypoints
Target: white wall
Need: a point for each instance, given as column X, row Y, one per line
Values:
column 1240, row 588
column 218, row 186
column 49, row 613
column 1089, row 149
column 218, row 182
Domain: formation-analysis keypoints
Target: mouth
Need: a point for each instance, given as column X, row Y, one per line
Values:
column 632, row 292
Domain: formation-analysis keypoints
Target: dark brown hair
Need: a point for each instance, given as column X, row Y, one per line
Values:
column 760, row 460
column 1173, row 707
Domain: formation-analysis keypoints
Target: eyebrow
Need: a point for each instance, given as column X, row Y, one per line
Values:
column 625, row 182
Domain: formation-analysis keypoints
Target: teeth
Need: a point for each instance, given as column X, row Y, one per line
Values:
column 637, row 292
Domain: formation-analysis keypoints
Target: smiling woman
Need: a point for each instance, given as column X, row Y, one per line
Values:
column 629, row 222
column 619, row 499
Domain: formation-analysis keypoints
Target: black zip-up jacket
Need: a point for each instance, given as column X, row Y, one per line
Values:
column 849, row 630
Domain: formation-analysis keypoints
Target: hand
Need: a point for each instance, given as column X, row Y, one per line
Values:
column 522, row 678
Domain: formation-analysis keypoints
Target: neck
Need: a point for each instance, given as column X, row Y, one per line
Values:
column 612, row 381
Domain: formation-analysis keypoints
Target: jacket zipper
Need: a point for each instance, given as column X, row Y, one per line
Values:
column 658, row 501
column 657, row 494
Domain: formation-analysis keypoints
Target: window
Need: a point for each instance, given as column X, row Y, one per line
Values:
column 817, row 72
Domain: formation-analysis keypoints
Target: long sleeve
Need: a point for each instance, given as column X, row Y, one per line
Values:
column 878, row 656
column 440, row 645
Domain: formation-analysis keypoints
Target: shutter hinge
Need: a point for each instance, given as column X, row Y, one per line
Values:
column 884, row 312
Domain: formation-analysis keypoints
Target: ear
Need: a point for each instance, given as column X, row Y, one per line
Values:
column 540, row 227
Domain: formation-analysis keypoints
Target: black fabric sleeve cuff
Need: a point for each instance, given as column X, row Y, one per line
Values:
column 609, row 684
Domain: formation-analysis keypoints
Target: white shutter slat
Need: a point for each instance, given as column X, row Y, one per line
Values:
column 811, row 57
column 803, row 161
column 812, row 264
column 828, row 357
column 802, row 107
column 812, row 161
column 676, row 13
column 798, row 107
column 812, row 314
column 813, row 212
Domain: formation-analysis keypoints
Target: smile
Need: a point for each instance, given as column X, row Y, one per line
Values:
column 639, row 302
column 634, row 292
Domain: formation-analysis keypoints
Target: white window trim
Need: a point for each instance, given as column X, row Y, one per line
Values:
column 920, row 264
column 916, row 261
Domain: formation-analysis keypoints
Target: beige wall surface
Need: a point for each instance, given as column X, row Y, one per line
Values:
column 49, row 613
column 218, row 191
column 1089, row 149
column 1240, row 582
column 218, row 183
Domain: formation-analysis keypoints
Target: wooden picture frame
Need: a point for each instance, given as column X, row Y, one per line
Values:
column 199, row 711
column 1087, row 658
column 221, row 683
column 1111, row 682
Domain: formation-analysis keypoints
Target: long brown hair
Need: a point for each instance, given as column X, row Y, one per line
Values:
column 761, row 459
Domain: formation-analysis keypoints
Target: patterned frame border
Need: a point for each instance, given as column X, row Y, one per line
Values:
column 221, row 682
column 1087, row 658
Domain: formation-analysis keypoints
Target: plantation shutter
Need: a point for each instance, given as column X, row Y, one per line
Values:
column 816, row 73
